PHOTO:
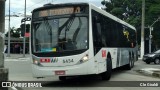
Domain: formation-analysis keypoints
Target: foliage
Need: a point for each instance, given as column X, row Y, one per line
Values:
column 15, row 32
column 130, row 11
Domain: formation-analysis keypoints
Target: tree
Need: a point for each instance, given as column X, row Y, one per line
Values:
column 127, row 10
column 130, row 11
column 14, row 32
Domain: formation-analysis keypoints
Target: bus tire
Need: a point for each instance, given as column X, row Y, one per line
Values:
column 133, row 60
column 107, row 74
column 62, row 78
column 130, row 65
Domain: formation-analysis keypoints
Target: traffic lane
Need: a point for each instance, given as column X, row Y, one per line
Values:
column 119, row 74
column 118, row 77
column 21, row 70
column 94, row 81
column 18, row 66
column 76, row 82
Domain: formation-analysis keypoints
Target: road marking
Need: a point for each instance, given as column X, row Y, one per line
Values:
column 14, row 88
column 15, row 60
column 149, row 69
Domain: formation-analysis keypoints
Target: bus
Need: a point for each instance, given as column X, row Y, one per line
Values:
column 74, row 39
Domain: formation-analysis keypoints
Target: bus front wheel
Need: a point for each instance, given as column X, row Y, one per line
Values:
column 107, row 74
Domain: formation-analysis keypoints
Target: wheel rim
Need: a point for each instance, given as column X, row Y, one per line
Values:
column 157, row 61
column 130, row 63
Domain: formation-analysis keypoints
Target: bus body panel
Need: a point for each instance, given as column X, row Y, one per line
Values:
column 96, row 63
column 119, row 57
column 61, row 61
column 81, row 69
column 123, row 56
column 89, row 67
column 101, row 58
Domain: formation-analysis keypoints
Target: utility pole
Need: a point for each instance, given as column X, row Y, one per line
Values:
column 142, row 28
column 3, row 71
column 150, row 38
column 24, row 38
column 9, row 34
column 150, row 34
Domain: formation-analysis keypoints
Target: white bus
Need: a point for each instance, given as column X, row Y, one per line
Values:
column 79, row 39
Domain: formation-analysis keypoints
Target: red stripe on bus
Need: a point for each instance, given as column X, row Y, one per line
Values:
column 44, row 60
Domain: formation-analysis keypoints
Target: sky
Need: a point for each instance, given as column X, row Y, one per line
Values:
column 17, row 8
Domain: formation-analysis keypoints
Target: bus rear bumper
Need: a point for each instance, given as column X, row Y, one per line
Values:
column 81, row 69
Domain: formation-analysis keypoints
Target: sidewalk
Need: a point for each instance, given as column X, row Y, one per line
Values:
column 150, row 72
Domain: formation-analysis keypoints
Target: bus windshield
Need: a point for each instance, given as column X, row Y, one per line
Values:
column 60, row 34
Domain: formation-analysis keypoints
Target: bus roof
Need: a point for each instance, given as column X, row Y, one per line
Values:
column 47, row 6
column 111, row 16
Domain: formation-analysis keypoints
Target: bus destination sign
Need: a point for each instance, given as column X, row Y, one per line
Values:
column 59, row 11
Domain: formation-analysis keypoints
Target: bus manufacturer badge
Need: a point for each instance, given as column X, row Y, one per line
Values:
column 49, row 60
column 103, row 53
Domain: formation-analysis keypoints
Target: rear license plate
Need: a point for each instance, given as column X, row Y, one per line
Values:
column 60, row 73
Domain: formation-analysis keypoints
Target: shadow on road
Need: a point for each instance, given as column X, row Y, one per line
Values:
column 81, row 81
column 86, row 81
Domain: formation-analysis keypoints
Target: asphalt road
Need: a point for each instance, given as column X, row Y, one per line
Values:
column 20, row 70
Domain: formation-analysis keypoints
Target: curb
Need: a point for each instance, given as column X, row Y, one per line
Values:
column 13, row 88
column 150, row 72
column 156, row 74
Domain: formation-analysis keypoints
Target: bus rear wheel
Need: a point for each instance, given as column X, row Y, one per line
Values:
column 62, row 78
column 131, row 63
column 107, row 74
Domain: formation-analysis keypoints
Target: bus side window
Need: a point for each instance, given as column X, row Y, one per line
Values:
column 97, row 37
